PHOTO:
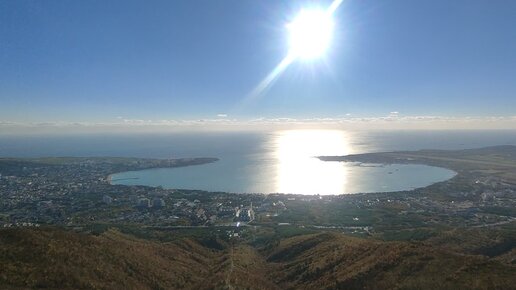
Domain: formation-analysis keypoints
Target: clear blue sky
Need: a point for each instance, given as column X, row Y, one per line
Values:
column 97, row 60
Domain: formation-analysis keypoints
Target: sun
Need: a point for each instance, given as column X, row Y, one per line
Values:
column 310, row 33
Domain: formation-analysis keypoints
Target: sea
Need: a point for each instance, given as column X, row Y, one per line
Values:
column 282, row 161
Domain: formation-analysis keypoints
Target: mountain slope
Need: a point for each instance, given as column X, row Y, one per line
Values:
column 58, row 259
column 334, row 261
column 66, row 260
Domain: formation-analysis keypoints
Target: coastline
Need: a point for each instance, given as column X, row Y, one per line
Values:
column 396, row 179
column 468, row 165
column 497, row 162
column 164, row 163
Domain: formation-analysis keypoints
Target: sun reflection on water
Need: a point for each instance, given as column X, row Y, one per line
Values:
column 299, row 171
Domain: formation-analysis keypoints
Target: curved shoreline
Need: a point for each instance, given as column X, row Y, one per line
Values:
column 393, row 181
column 165, row 163
column 468, row 165
column 471, row 165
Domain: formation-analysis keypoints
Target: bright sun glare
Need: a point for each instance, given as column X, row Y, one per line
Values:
column 310, row 33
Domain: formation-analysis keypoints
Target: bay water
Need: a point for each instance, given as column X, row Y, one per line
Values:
column 265, row 161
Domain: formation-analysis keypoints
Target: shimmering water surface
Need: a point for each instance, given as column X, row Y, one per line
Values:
column 266, row 162
column 285, row 162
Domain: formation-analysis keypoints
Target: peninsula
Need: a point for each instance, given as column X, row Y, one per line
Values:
column 494, row 163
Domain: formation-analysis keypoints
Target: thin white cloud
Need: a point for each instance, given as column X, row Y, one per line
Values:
column 392, row 121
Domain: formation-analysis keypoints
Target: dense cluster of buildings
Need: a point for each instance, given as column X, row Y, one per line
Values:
column 78, row 192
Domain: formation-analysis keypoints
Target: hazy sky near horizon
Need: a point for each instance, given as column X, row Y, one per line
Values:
column 101, row 61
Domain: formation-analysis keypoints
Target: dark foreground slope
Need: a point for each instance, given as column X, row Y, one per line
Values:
column 57, row 259
column 334, row 261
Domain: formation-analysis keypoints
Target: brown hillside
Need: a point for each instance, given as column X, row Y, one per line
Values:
column 333, row 261
column 58, row 259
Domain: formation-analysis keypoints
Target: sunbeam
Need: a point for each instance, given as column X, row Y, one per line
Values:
column 271, row 77
column 310, row 35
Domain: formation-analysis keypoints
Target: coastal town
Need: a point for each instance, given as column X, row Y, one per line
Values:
column 77, row 193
